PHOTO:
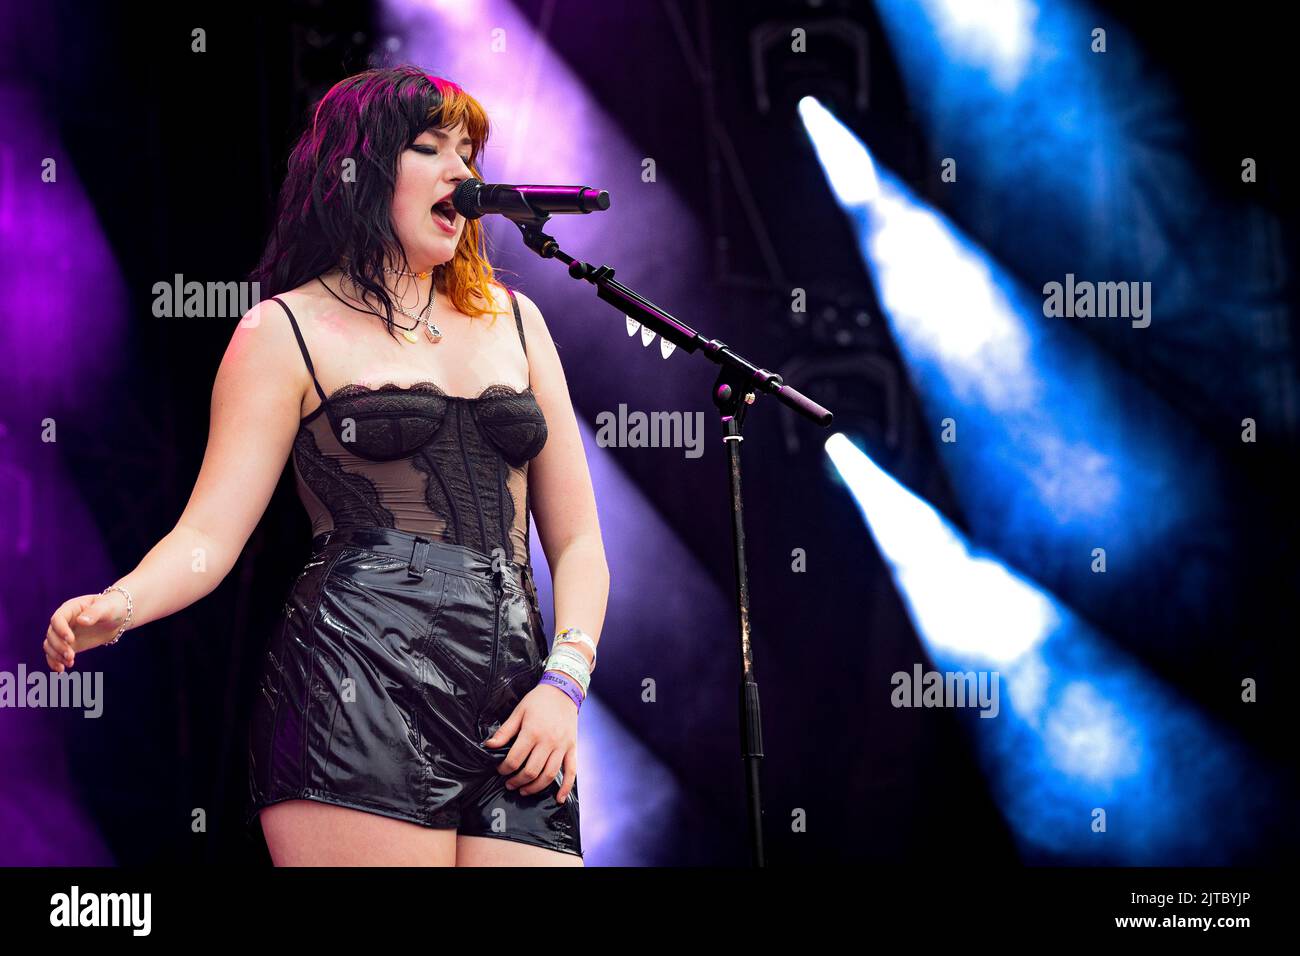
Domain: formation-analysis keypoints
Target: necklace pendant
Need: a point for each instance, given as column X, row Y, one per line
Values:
column 410, row 335
column 431, row 330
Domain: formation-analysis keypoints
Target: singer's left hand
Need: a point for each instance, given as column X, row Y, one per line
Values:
column 546, row 722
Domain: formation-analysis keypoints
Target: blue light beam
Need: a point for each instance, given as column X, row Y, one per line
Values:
column 1053, row 450
column 1084, row 737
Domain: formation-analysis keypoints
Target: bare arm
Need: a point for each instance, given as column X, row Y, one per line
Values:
column 256, row 406
column 561, row 494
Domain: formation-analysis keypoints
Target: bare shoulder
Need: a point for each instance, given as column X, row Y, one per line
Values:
column 261, row 334
column 535, row 328
column 305, row 302
column 263, row 354
column 310, row 305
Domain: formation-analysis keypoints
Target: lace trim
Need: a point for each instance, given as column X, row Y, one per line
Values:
column 490, row 391
column 353, row 389
column 351, row 499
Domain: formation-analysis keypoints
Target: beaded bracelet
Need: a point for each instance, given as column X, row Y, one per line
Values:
column 130, row 611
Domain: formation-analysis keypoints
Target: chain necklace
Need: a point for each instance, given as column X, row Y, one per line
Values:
column 402, row 272
column 432, row 331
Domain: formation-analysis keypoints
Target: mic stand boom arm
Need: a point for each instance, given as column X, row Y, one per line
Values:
column 737, row 373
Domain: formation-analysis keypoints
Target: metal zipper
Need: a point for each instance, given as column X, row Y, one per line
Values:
column 498, row 575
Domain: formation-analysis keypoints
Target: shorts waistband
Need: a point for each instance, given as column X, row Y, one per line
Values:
column 423, row 553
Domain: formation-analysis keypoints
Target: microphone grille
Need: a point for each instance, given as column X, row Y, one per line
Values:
column 465, row 199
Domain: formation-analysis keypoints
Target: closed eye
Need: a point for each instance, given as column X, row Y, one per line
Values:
column 430, row 151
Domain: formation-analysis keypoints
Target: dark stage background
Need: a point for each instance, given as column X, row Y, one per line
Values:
column 176, row 157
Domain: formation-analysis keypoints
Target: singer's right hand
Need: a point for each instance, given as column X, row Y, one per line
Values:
column 81, row 623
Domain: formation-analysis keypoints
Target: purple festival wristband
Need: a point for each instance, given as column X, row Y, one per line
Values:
column 565, row 683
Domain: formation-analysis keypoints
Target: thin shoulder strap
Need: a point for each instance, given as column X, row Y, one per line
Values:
column 514, row 303
column 303, row 347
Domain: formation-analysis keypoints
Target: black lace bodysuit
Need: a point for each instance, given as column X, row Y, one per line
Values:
column 413, row 458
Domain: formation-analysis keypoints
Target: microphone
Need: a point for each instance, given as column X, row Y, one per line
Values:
column 474, row 199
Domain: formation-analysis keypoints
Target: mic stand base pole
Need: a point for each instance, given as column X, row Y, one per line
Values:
column 732, row 399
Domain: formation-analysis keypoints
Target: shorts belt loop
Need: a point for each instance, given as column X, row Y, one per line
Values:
column 419, row 558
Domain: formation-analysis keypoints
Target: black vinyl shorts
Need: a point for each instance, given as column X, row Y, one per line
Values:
column 394, row 658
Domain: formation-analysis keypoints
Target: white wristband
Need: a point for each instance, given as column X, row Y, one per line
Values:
column 575, row 635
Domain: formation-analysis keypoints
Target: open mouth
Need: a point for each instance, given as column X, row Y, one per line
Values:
column 444, row 213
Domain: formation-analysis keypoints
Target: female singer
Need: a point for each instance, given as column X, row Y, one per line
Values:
column 409, row 711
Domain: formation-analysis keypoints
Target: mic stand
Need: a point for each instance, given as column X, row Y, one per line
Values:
column 734, row 390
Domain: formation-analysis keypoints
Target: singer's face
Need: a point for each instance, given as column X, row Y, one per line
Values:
column 427, row 171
